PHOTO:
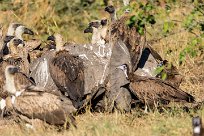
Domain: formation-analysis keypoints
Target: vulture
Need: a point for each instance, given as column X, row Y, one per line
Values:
column 10, row 33
column 15, row 29
column 20, row 30
column 36, row 103
column 11, row 60
column 119, row 30
column 16, row 80
column 67, row 72
column 198, row 129
column 31, row 48
column 13, row 84
column 17, row 50
column 99, row 30
column 151, row 91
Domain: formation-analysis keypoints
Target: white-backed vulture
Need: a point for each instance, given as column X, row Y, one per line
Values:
column 67, row 71
column 17, row 50
column 99, row 30
column 31, row 49
column 104, row 28
column 14, row 81
column 198, row 129
column 41, row 104
column 11, row 60
column 20, row 30
column 10, row 35
column 151, row 91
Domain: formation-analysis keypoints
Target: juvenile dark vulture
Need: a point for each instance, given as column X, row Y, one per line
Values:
column 37, row 104
column 119, row 30
column 67, row 71
column 151, row 91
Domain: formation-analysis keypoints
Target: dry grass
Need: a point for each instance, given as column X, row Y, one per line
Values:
column 43, row 19
column 116, row 124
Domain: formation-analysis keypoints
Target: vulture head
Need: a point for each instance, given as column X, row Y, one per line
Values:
column 110, row 9
column 124, row 68
column 20, row 30
column 12, row 27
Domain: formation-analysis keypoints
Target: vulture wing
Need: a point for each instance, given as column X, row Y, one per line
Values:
column 44, row 106
column 153, row 90
column 67, row 72
column 132, row 39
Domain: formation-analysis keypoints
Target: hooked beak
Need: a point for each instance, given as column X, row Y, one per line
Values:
column 88, row 30
column 28, row 31
column 51, row 38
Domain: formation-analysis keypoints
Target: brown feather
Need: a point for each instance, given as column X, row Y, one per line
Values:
column 21, row 79
column 132, row 39
column 153, row 90
column 45, row 106
column 67, row 72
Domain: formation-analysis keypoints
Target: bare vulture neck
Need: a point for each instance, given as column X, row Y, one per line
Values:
column 113, row 16
column 96, row 35
column 59, row 43
column 10, row 84
column 19, row 32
